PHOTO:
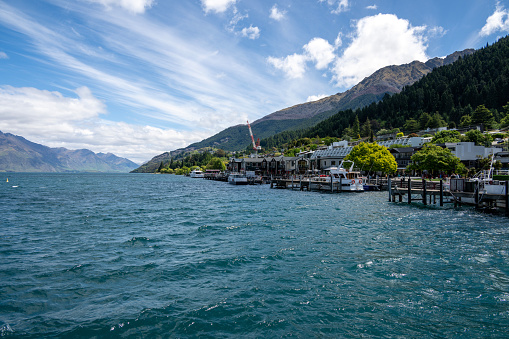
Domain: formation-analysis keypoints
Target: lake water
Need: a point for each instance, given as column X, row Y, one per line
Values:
column 141, row 255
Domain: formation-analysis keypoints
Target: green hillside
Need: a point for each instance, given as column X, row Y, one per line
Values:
column 447, row 96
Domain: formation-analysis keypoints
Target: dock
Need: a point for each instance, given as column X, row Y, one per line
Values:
column 458, row 192
column 323, row 184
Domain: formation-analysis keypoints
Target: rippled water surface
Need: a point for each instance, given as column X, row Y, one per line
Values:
column 135, row 255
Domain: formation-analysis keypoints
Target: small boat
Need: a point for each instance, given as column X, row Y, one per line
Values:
column 237, row 179
column 349, row 179
column 196, row 174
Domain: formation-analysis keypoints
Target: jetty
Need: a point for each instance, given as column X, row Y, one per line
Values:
column 489, row 196
column 325, row 183
column 454, row 191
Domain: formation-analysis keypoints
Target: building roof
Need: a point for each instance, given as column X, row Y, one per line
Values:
column 402, row 149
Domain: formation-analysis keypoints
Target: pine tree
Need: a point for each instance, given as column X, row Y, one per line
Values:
column 366, row 128
column 356, row 129
column 482, row 115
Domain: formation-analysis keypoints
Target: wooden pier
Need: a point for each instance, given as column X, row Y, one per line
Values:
column 321, row 184
column 410, row 190
column 433, row 192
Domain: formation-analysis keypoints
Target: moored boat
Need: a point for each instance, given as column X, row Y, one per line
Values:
column 237, row 179
column 196, row 174
column 347, row 178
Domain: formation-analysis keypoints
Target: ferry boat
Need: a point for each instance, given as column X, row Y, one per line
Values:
column 196, row 174
column 237, row 179
column 349, row 179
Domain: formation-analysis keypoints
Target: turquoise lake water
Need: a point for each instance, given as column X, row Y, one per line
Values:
column 141, row 255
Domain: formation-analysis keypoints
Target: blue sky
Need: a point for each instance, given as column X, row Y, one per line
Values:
column 141, row 77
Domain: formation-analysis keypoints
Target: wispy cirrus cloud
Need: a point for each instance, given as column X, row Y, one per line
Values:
column 3, row 55
column 192, row 85
column 133, row 6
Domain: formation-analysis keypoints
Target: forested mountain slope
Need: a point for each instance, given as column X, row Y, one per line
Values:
column 448, row 93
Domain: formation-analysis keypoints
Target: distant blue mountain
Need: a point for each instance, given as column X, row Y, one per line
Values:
column 20, row 155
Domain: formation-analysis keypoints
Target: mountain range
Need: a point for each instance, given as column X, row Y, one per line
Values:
column 387, row 80
column 20, row 155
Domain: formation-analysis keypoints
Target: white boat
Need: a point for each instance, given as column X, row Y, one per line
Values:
column 482, row 183
column 196, row 174
column 487, row 185
column 349, row 179
column 237, row 179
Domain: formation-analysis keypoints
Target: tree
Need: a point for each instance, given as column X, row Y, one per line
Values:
column 436, row 121
column 466, row 120
column 216, row 163
column 424, row 120
column 434, row 158
column 161, row 166
column 356, row 129
column 373, row 157
column 366, row 129
column 478, row 138
column 442, row 137
column 482, row 115
column 504, row 122
column 411, row 125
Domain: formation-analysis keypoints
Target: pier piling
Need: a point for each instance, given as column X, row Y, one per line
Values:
column 409, row 190
column 424, row 201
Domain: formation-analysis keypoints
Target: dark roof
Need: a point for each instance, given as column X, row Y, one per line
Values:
column 402, row 149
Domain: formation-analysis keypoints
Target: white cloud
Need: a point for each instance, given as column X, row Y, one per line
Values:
column 55, row 120
column 3, row 55
column 218, row 6
column 237, row 17
column 340, row 5
column 316, row 97
column 200, row 91
column 293, row 65
column 498, row 21
column 134, row 6
column 379, row 41
column 251, row 32
column 30, row 104
column 320, row 51
column 371, row 7
column 437, row 32
column 338, row 42
column 276, row 14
